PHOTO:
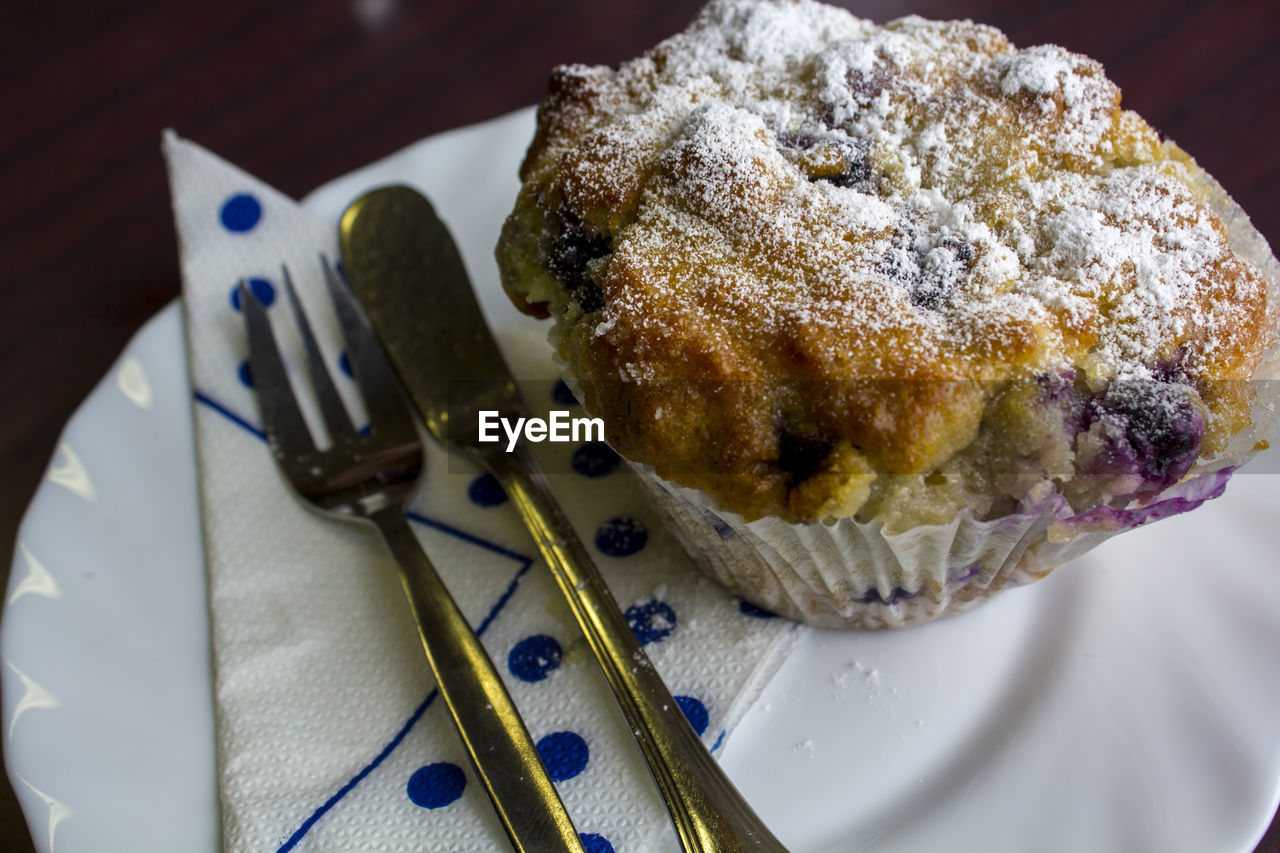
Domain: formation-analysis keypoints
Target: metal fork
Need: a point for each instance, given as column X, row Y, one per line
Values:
column 369, row 474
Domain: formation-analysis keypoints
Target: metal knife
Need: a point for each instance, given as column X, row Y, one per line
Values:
column 405, row 269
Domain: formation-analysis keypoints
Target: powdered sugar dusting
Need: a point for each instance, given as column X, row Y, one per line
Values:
column 1040, row 72
column 784, row 164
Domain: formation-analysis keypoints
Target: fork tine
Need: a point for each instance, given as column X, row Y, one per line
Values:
column 336, row 419
column 377, row 381
column 281, row 418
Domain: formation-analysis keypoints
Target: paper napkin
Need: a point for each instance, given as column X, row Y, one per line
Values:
column 329, row 733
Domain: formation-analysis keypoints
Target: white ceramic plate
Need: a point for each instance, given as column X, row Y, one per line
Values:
column 1127, row 703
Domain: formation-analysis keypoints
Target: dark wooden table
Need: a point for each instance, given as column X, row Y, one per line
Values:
column 300, row 91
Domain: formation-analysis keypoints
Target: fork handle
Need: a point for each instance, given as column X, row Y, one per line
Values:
column 709, row 814
column 495, row 737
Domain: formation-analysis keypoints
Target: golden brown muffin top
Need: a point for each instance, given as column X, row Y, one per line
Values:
column 790, row 250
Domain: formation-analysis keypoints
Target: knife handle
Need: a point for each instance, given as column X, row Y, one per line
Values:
column 709, row 814
column 497, row 742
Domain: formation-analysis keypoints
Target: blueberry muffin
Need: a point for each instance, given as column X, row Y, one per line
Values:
column 889, row 317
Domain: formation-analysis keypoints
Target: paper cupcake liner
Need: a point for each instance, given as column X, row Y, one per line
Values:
column 851, row 574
